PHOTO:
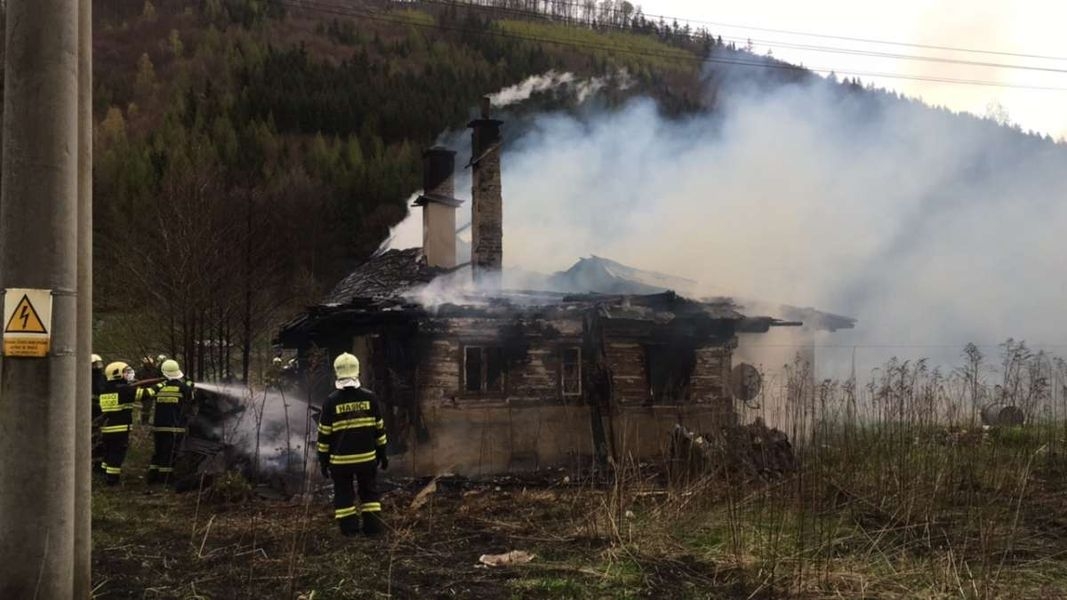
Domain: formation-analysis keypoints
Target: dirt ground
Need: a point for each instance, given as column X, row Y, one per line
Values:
column 155, row 543
column 164, row 545
column 717, row 539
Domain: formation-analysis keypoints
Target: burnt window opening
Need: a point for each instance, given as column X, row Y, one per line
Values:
column 483, row 369
column 570, row 371
column 670, row 369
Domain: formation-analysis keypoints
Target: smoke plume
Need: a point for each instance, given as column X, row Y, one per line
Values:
column 933, row 229
column 554, row 81
column 272, row 429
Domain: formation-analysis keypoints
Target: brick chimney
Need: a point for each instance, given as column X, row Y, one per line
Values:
column 438, row 207
column 487, row 232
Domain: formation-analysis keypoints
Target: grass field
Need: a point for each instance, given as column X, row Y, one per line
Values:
column 872, row 512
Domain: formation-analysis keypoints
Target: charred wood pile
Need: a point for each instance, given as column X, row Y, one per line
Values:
column 748, row 451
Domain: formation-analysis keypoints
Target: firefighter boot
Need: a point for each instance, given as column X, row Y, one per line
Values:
column 349, row 525
column 372, row 523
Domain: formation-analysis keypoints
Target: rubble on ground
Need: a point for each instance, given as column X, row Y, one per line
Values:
column 515, row 557
column 752, row 450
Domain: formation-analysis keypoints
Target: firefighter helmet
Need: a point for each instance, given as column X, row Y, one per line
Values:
column 346, row 366
column 116, row 371
column 171, row 370
column 161, row 358
column 97, row 359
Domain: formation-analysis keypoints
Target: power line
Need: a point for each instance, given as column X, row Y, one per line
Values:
column 765, row 42
column 891, row 346
column 652, row 18
column 893, row 55
column 679, row 54
column 888, row 42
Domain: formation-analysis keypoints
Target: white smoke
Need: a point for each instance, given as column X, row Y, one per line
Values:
column 931, row 228
column 272, row 428
column 583, row 89
column 408, row 233
column 588, row 88
column 530, row 86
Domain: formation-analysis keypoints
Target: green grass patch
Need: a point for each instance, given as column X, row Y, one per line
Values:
column 623, row 49
column 412, row 16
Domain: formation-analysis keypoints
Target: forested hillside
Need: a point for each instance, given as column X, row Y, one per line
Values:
column 248, row 152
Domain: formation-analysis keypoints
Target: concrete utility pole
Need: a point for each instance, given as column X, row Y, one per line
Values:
column 38, row 249
column 83, row 514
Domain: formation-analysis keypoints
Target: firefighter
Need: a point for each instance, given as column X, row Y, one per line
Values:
column 98, row 383
column 173, row 399
column 149, row 371
column 273, row 379
column 98, row 374
column 351, row 445
column 116, row 401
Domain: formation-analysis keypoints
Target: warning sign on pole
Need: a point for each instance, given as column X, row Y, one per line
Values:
column 27, row 322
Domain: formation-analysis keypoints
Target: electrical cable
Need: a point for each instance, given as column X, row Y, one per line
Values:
column 679, row 54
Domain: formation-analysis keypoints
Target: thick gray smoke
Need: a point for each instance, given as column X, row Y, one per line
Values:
column 932, row 229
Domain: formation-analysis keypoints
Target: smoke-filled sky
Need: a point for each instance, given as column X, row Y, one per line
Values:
column 1032, row 27
column 930, row 228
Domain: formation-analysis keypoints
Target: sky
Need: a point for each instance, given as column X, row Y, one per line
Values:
column 1021, row 27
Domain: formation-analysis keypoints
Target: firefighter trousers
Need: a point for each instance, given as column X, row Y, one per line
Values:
column 97, row 444
column 346, row 510
column 166, row 448
column 115, row 446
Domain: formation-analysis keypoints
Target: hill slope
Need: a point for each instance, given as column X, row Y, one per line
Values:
column 248, row 152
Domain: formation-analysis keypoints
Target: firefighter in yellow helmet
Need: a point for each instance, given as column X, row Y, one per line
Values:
column 116, row 403
column 351, row 446
column 173, row 401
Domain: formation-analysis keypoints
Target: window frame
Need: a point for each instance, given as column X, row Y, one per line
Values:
column 483, row 391
column 563, row 350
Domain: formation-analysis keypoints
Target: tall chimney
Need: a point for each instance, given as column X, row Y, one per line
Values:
column 438, row 207
column 487, row 232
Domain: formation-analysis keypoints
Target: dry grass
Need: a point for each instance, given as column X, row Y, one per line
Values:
column 894, row 506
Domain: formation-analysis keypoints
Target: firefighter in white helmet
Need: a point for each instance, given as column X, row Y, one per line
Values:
column 173, row 399
column 273, row 378
column 351, row 446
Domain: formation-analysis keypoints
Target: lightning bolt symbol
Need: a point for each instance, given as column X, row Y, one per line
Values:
column 25, row 315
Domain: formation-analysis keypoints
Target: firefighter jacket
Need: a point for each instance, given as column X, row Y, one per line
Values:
column 99, row 383
column 116, row 402
column 174, row 400
column 351, row 429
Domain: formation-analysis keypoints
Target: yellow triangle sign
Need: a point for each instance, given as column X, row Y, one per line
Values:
column 25, row 319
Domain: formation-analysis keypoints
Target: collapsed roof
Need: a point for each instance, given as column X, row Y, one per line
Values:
column 605, row 276
column 398, row 284
column 383, row 276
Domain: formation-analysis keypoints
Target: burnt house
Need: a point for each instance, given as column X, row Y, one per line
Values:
column 478, row 379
